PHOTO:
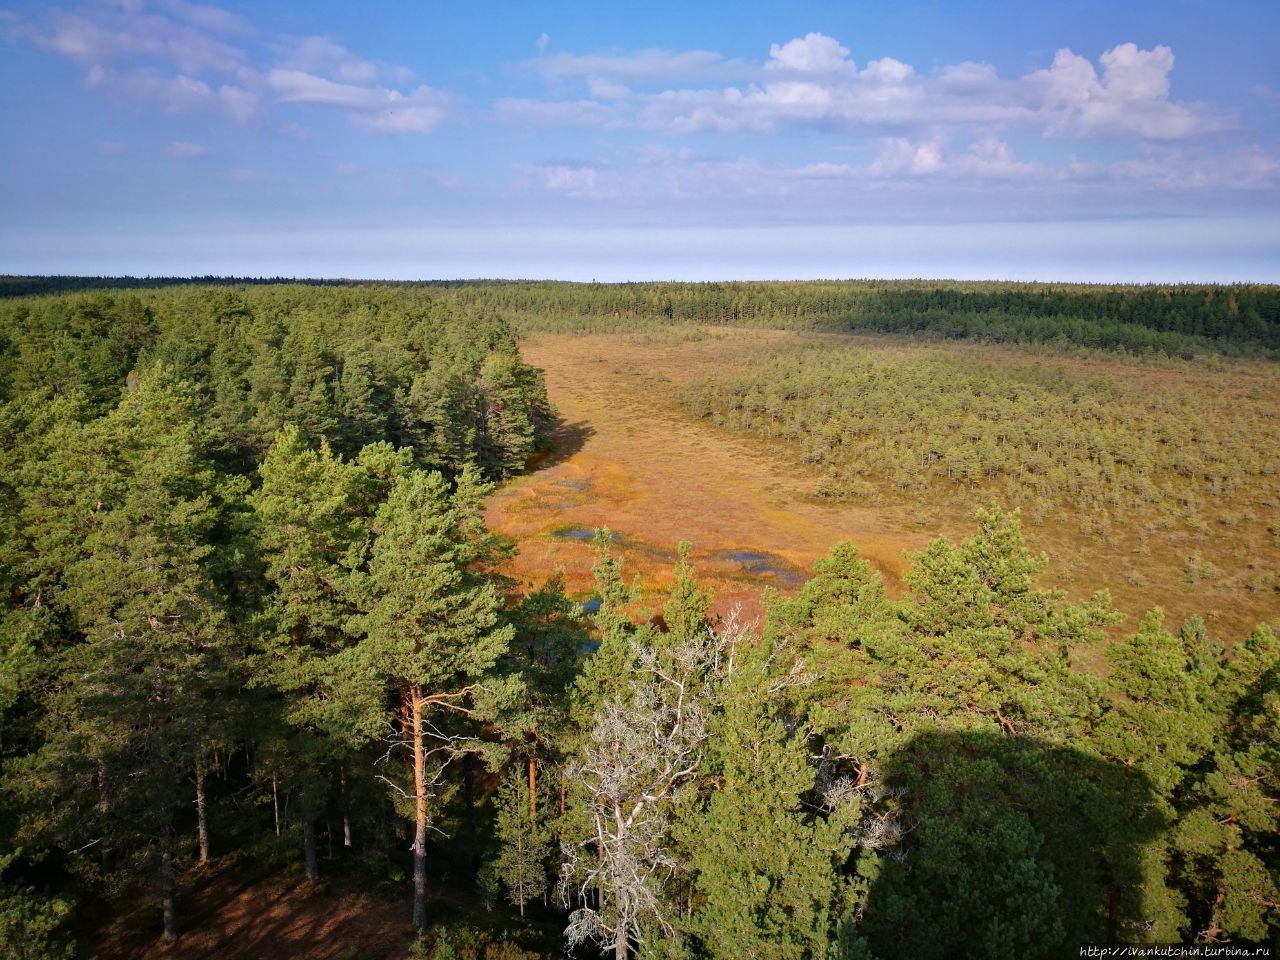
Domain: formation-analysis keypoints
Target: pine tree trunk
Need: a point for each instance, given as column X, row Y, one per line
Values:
column 103, row 808
column 168, row 897
column 309, row 851
column 346, row 816
column 275, row 804
column 202, row 818
column 620, row 946
column 533, row 787
column 420, row 814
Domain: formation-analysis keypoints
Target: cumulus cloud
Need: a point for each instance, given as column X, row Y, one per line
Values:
column 1130, row 98
column 814, row 81
column 899, row 155
column 814, row 53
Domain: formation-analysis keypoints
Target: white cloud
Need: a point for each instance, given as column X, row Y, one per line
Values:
column 183, row 150
column 812, row 81
column 403, row 119
column 603, row 88
column 898, row 155
column 1264, row 92
column 573, row 181
column 1130, row 99
column 567, row 113
column 1169, row 168
column 814, row 53
column 298, row 86
column 640, row 67
column 373, row 107
column 887, row 72
column 152, row 88
column 179, row 56
column 243, row 105
column 992, row 157
column 212, row 19
column 823, row 171
column 968, row 77
column 324, row 57
column 99, row 36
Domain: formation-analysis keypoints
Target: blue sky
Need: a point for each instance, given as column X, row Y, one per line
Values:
column 1094, row 141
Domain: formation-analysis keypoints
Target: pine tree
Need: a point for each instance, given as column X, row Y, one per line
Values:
column 641, row 756
column 430, row 630
column 312, row 513
column 764, row 866
column 147, row 681
column 524, row 841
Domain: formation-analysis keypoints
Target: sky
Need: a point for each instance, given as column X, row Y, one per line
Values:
column 1125, row 141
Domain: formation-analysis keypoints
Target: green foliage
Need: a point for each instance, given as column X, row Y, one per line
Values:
column 1174, row 320
column 427, row 616
column 924, row 424
column 524, row 841
column 1204, row 731
column 763, row 867
column 350, row 365
column 135, row 510
column 32, row 926
column 923, row 776
column 1003, row 847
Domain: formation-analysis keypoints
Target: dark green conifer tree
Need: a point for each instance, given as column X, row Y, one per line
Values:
column 429, row 634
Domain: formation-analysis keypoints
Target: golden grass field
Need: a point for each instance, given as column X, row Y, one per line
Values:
column 631, row 459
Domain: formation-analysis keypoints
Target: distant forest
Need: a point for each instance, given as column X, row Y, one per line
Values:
column 1175, row 320
column 249, row 609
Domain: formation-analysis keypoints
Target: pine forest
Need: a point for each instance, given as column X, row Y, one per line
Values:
column 420, row 614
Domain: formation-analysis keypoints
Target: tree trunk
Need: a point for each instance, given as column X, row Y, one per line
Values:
column 103, row 808
column 202, row 817
column 620, row 945
column 309, row 851
column 420, row 813
column 275, row 803
column 533, row 787
column 168, row 897
column 346, row 816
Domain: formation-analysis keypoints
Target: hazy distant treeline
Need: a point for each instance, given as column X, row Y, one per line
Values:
column 1170, row 319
